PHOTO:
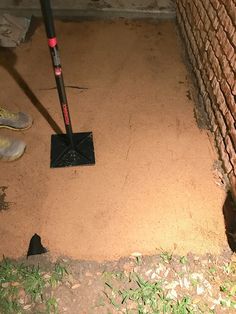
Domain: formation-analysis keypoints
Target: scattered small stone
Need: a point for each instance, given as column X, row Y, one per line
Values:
column 27, row 307
column 166, row 273
column 5, row 284
column 233, row 257
column 136, row 269
column 21, row 301
column 15, row 284
column 136, row 254
column 197, row 300
column 153, row 276
column 128, row 267
column 200, row 290
column 172, row 294
column 77, row 285
column 47, row 276
column 172, row 285
column 21, row 293
column 186, row 283
column 148, row 272
column 197, row 276
column 160, row 268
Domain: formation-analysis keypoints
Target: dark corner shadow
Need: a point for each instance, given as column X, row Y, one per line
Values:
column 35, row 22
column 229, row 212
column 8, row 60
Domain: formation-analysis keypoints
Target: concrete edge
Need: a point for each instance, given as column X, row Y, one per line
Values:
column 100, row 14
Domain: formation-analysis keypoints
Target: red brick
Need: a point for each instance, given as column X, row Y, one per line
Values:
column 231, row 79
column 221, row 101
column 216, row 67
column 231, row 125
column 215, row 23
column 221, row 122
column 234, row 88
column 231, row 150
column 215, row 86
column 220, row 34
column 215, row 4
column 233, row 63
column 223, row 38
column 231, row 9
column 226, row 161
column 231, row 105
column 218, row 50
column 228, row 26
column 225, row 88
column 224, row 63
column 233, row 38
column 211, row 115
column 222, row 13
column 228, row 49
column 219, row 140
column 211, row 12
column 207, row 45
column 210, row 73
column 233, row 135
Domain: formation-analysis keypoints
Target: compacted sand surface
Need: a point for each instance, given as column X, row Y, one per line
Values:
column 152, row 186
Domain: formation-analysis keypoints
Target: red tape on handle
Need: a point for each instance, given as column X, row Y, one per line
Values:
column 52, row 42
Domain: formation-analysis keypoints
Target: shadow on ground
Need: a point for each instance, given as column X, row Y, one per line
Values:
column 8, row 60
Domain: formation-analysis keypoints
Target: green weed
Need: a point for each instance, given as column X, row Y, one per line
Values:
column 18, row 281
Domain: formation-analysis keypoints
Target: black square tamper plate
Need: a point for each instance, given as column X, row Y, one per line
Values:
column 64, row 154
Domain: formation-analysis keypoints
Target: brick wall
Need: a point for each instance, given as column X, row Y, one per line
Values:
column 209, row 31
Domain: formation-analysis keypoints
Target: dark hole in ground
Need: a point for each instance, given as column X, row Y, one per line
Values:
column 229, row 212
column 35, row 246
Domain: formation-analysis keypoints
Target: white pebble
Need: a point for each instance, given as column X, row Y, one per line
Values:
column 200, row 290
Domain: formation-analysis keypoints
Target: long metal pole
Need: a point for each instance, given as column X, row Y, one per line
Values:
column 53, row 47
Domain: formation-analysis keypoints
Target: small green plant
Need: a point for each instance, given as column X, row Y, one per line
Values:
column 51, row 305
column 33, row 282
column 166, row 257
column 111, row 297
column 58, row 274
column 138, row 260
column 229, row 268
column 183, row 260
column 212, row 270
column 146, row 297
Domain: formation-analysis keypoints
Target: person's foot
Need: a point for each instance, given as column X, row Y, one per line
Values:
column 14, row 121
column 11, row 149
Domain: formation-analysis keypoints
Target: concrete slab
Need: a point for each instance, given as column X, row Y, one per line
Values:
column 152, row 186
column 94, row 8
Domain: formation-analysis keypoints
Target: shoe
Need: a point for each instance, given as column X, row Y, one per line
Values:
column 11, row 149
column 14, row 121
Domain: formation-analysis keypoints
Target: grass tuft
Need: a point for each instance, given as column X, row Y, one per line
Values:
column 21, row 285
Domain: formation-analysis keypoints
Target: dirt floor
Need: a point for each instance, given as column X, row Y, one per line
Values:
column 152, row 186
